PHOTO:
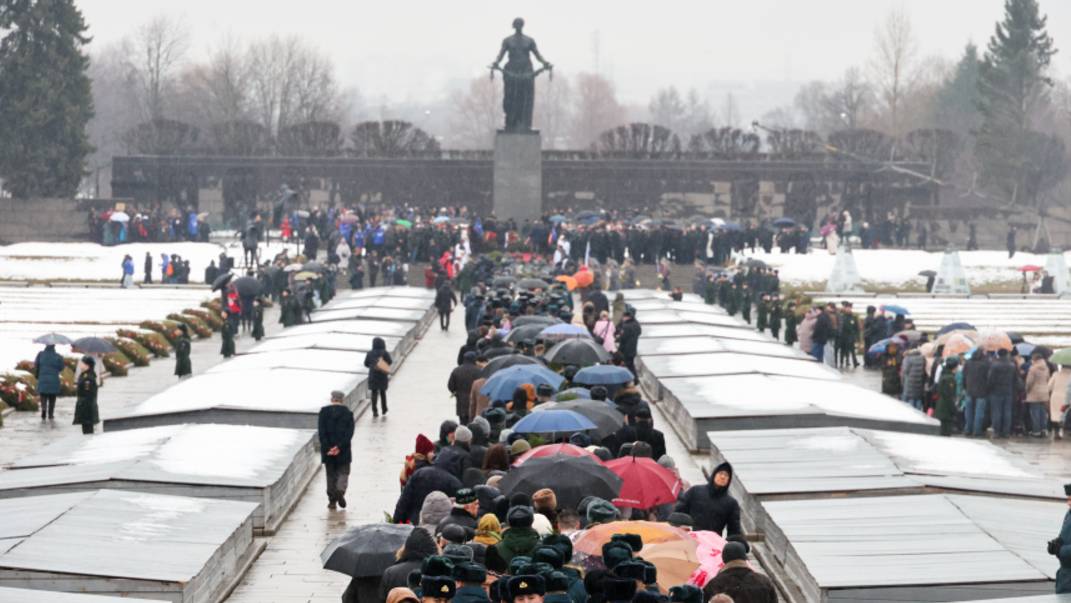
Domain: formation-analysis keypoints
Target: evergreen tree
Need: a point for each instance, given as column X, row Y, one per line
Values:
column 956, row 102
column 1013, row 87
column 45, row 99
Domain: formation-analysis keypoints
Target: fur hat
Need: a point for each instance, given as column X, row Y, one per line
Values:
column 733, row 551
column 526, row 585
column 463, row 434
column 520, row 517
column 470, row 572
column 439, row 587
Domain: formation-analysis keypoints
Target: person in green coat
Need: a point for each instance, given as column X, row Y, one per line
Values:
column 775, row 316
column 763, row 308
column 183, row 366
column 86, row 412
column 945, row 411
column 743, row 300
column 227, row 349
column 710, row 290
column 791, row 320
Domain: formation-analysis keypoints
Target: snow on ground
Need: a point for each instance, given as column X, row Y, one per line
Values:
column 897, row 268
column 94, row 262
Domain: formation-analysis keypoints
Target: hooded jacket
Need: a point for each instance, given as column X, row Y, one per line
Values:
column 913, row 375
column 515, row 542
column 712, row 507
column 47, row 367
column 377, row 379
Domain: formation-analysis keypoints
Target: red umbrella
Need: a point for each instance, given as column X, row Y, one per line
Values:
column 551, row 450
column 645, row 484
column 1029, row 268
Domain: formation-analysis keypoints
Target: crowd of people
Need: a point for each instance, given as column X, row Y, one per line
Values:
column 474, row 538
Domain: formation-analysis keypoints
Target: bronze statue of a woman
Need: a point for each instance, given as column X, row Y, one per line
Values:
column 519, row 77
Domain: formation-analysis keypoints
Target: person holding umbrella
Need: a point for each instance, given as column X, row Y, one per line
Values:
column 47, row 367
column 335, row 430
column 418, row 546
column 86, row 412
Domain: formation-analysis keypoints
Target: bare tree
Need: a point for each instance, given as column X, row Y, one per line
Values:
column 157, row 51
column 291, row 82
column 219, row 89
column 552, row 112
column 851, row 100
column 639, row 141
column 667, row 108
column 391, row 138
column 894, row 68
column 597, row 108
column 115, row 112
column 725, row 143
column 476, row 113
column 730, row 111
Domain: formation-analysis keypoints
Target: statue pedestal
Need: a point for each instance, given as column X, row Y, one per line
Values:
column 518, row 176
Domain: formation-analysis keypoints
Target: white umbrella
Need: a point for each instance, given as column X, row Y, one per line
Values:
column 119, row 217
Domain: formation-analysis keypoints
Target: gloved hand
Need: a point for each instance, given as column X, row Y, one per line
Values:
column 1054, row 546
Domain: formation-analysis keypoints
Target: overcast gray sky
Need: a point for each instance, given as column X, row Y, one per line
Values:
column 409, row 49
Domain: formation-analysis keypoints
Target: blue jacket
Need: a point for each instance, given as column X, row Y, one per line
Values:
column 128, row 266
column 47, row 366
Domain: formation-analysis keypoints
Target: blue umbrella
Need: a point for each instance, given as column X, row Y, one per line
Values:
column 879, row 347
column 564, row 329
column 440, row 219
column 557, row 218
column 895, row 309
column 603, row 374
column 573, row 393
column 553, row 421
column 53, row 339
column 500, row 386
column 956, row 326
column 1024, row 348
column 784, row 222
column 732, row 226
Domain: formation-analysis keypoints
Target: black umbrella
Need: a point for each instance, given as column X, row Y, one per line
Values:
column 927, row 273
column 525, row 333
column 222, row 280
column 752, row 262
column 580, row 351
column 536, row 319
column 533, row 283
column 607, row 418
column 248, row 286
column 503, row 281
column 53, row 339
column 93, row 345
column 1014, row 337
column 572, row 478
column 500, row 362
column 314, row 266
column 365, row 551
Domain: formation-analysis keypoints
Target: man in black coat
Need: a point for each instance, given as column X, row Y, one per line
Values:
column 424, row 481
column 640, row 428
column 976, row 382
column 335, row 429
column 738, row 580
column 456, row 457
column 445, row 300
column 598, row 299
column 460, row 385
column 823, row 331
column 1000, row 391
column 710, row 506
column 629, row 338
column 463, row 513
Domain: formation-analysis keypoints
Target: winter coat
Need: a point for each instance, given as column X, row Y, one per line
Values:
column 454, row 459
column 334, row 425
column 418, row 548
column 460, row 384
column 805, row 331
column 638, row 433
column 362, row 590
column 742, row 583
column 516, row 542
column 1063, row 575
column 47, row 367
column 823, row 329
column 1037, row 382
column 946, row 396
column 1002, row 379
column 605, row 330
column 182, row 356
column 976, row 376
column 477, row 401
column 85, row 409
column 712, row 507
column 1058, row 384
column 890, row 374
column 471, row 594
column 445, row 299
column 629, row 338
column 227, row 335
column 913, row 375
column 377, row 379
column 424, row 481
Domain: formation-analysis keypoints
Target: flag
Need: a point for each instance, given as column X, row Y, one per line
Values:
column 587, row 253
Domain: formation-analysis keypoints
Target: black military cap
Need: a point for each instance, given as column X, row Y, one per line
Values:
column 470, row 572
column 438, row 587
column 527, row 585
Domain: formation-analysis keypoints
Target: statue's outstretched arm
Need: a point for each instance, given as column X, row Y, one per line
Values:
column 538, row 56
column 501, row 53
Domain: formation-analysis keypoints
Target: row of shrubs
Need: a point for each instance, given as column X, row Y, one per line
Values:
column 134, row 347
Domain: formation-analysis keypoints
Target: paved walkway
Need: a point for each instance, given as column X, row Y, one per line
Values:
column 25, row 432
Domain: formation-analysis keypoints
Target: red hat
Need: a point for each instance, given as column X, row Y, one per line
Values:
column 424, row 445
